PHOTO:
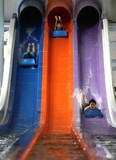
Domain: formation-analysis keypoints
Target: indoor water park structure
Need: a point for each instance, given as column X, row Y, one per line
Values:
column 58, row 51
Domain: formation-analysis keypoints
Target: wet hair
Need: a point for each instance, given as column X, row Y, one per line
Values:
column 92, row 101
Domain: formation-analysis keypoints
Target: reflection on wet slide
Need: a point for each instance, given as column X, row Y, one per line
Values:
column 57, row 146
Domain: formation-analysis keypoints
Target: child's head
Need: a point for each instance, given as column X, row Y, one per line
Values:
column 92, row 103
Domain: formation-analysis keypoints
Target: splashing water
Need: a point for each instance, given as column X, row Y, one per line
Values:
column 78, row 95
column 29, row 31
column 91, row 86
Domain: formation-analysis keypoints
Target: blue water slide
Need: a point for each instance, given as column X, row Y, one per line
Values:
column 24, row 103
column 27, row 99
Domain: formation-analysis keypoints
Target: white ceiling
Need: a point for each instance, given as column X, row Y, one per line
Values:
column 11, row 6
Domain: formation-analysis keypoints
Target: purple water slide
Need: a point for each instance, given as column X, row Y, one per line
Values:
column 89, row 66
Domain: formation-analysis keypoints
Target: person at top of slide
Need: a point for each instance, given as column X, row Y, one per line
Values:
column 58, row 23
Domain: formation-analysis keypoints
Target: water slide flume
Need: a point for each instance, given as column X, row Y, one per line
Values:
column 7, row 73
column 57, row 107
column 111, row 116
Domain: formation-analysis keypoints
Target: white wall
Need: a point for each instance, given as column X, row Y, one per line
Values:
column 112, row 35
column 111, row 10
column 10, row 6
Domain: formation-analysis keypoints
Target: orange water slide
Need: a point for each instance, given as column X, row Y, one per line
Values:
column 58, row 82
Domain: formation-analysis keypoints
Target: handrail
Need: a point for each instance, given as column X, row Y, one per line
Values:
column 7, row 72
column 108, row 75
